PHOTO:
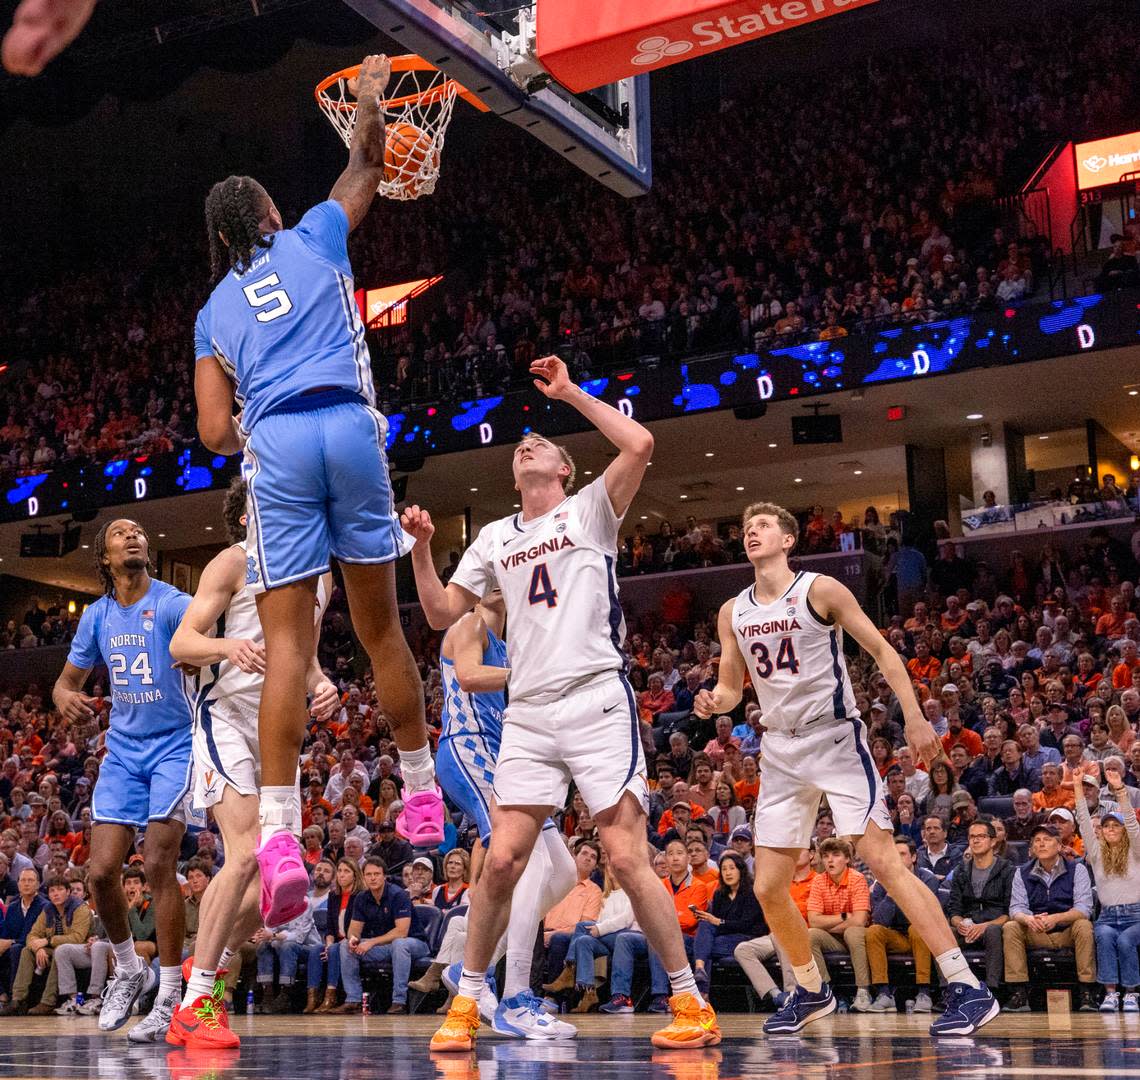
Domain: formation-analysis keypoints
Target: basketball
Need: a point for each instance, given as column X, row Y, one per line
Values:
column 406, row 149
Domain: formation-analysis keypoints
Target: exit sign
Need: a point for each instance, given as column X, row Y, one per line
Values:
column 896, row 412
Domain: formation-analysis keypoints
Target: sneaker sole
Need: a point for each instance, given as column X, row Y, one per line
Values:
column 791, row 1029
column 708, row 1038
column 451, row 1046
column 969, row 1029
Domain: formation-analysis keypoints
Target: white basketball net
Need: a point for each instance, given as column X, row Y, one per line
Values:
column 422, row 99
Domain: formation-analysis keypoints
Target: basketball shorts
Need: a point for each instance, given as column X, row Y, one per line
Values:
column 796, row 771
column 589, row 735
column 318, row 487
column 143, row 780
column 465, row 769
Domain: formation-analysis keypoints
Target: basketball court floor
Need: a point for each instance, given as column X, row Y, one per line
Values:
column 609, row 1048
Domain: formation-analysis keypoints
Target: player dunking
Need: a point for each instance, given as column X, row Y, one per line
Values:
column 572, row 713
column 282, row 323
column 474, row 672
column 145, row 777
column 786, row 632
column 227, row 764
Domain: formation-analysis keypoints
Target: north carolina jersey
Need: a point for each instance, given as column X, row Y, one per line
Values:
column 795, row 660
column 557, row 573
column 289, row 323
column 474, row 714
column 148, row 695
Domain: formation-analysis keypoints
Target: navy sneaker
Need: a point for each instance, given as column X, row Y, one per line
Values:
column 966, row 1010
column 659, row 1004
column 619, row 1003
column 799, row 1009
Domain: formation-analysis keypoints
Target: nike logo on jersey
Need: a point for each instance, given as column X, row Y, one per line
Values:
column 840, row 739
column 610, row 708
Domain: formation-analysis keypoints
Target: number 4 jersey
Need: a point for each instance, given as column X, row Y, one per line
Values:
column 558, row 577
column 148, row 696
column 289, row 323
column 795, row 659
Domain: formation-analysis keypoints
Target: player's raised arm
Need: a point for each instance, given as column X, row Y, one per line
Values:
column 357, row 185
column 444, row 605
column 836, row 602
column 634, row 443
column 468, row 640
column 725, row 696
column 214, row 396
column 222, row 578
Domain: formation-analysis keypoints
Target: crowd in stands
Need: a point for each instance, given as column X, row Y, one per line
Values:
column 1027, row 832
column 758, row 231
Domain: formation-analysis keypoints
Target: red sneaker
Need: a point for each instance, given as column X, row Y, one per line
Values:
column 187, row 1064
column 202, row 1025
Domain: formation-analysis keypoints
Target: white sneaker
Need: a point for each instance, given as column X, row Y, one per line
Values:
column 91, row 1007
column 1111, row 1002
column 121, row 996
column 883, row 1003
column 524, row 1017
column 69, row 1008
column 862, row 1002
column 154, row 1026
column 1132, row 1002
column 922, row 1003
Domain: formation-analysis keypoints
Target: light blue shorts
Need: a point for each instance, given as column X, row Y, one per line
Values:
column 318, row 487
column 143, row 780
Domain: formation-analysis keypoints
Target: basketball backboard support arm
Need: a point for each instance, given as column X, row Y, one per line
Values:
column 615, row 151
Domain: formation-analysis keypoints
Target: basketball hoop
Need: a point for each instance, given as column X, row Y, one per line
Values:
column 417, row 111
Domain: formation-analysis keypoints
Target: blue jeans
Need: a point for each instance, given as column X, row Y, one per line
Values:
column 288, row 954
column 405, row 952
column 584, row 950
column 317, row 967
column 350, row 968
column 1117, row 934
column 629, row 947
column 711, row 945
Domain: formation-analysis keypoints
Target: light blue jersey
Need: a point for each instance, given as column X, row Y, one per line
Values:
column 472, row 729
column 148, row 696
column 289, row 323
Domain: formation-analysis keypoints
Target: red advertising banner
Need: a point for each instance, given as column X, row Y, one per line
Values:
column 1107, row 161
column 589, row 43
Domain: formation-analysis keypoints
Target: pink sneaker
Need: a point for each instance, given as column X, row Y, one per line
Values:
column 421, row 820
column 284, row 880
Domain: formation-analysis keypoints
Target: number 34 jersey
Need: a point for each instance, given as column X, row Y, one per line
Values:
column 795, row 659
column 148, row 696
column 558, row 575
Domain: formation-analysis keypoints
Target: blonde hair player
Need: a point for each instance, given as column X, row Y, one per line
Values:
column 572, row 714
column 786, row 631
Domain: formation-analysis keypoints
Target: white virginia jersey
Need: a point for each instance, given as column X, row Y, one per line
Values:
column 225, row 684
column 559, row 581
column 795, row 659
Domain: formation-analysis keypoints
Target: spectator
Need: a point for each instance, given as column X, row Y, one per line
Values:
column 936, row 855
column 1052, row 794
column 1033, row 754
column 978, row 905
column 1019, row 827
column 1050, row 907
column 456, row 871
column 715, row 748
column 732, row 918
column 381, row 914
column 1013, row 774
column 390, row 846
column 581, row 904
column 840, row 904
column 349, row 884
column 284, row 947
column 19, row 918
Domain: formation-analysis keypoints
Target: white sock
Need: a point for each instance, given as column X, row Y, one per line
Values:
column 471, row 983
column 225, row 958
column 808, row 976
column 954, row 968
column 685, row 982
column 278, row 811
column 170, row 981
column 127, row 961
column 418, row 769
column 201, row 984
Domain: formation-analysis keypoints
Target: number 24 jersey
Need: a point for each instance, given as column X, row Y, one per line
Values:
column 559, row 581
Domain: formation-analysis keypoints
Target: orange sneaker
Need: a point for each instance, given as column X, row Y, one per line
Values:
column 188, row 1064
column 693, row 1025
column 202, row 1025
column 458, row 1031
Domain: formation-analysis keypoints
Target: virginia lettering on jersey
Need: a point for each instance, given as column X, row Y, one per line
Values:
column 547, row 547
column 776, row 626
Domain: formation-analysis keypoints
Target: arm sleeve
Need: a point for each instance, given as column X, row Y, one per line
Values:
column 1084, row 823
column 596, row 514
column 203, row 345
column 324, row 231
column 593, row 906
column 476, row 570
column 957, row 891
column 84, row 651
column 883, row 909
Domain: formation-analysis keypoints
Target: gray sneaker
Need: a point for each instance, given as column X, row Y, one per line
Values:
column 154, row 1026
column 884, row 1002
column 91, row 1007
column 120, row 995
column 69, row 1008
column 922, row 1003
column 862, row 1002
